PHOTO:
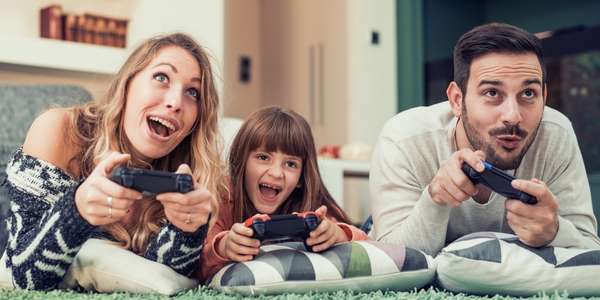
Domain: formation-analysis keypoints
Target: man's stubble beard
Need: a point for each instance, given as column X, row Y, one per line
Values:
column 478, row 143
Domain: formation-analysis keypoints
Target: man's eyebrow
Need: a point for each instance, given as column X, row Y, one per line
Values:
column 491, row 82
column 527, row 82
column 167, row 64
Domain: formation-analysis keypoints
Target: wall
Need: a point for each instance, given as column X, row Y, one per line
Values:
column 242, row 38
column 202, row 19
column 371, row 68
column 445, row 21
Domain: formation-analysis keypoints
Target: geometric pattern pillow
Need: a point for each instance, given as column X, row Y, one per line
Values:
column 102, row 266
column 357, row 266
column 498, row 263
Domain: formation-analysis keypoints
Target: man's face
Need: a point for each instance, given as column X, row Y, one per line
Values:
column 503, row 106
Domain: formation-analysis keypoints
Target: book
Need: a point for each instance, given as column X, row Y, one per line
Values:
column 112, row 34
column 122, row 33
column 89, row 36
column 80, row 28
column 51, row 22
column 69, row 27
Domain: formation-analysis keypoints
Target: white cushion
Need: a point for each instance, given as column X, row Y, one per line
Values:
column 357, row 266
column 496, row 263
column 104, row 267
column 5, row 276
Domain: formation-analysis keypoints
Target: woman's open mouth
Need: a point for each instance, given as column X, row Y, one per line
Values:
column 162, row 127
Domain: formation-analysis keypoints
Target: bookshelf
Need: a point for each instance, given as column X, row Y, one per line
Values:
column 22, row 47
column 61, row 55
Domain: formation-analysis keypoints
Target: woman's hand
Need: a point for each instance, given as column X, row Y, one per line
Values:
column 326, row 234
column 187, row 211
column 99, row 200
column 238, row 244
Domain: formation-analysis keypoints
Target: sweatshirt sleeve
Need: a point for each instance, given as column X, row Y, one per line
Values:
column 403, row 211
column 352, row 233
column 569, row 184
column 45, row 228
column 177, row 249
column 212, row 262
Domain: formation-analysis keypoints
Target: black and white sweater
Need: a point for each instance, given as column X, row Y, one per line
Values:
column 46, row 230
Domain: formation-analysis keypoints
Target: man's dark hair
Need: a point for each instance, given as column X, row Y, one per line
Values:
column 492, row 38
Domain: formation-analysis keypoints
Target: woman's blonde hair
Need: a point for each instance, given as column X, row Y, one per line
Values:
column 279, row 129
column 97, row 128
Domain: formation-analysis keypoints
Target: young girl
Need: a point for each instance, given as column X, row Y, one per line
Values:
column 273, row 169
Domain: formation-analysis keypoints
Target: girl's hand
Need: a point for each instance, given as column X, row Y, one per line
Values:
column 187, row 211
column 238, row 244
column 327, row 233
column 99, row 200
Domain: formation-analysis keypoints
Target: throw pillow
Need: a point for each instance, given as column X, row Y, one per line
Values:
column 357, row 266
column 497, row 263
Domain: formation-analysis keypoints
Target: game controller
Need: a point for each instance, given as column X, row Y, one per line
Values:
column 283, row 228
column 151, row 181
column 497, row 181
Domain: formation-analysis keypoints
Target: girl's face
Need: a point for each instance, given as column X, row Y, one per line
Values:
column 270, row 178
column 162, row 103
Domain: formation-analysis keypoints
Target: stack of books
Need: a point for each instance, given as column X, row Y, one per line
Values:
column 86, row 28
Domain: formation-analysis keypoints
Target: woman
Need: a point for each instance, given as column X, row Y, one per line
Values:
column 160, row 113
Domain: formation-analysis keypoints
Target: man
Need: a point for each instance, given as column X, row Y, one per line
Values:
column 496, row 112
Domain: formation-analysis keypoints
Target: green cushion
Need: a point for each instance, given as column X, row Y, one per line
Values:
column 357, row 266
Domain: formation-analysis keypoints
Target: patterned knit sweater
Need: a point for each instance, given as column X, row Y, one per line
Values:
column 46, row 230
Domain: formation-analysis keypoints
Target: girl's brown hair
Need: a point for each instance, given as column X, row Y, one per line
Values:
column 278, row 129
column 97, row 128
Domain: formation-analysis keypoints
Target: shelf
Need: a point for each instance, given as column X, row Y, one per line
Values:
column 61, row 55
column 349, row 167
column 333, row 172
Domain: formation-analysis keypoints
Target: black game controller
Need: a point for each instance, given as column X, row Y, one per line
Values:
column 497, row 181
column 283, row 228
column 152, row 182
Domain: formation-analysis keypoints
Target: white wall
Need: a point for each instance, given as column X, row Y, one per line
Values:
column 202, row 19
column 371, row 68
column 242, row 37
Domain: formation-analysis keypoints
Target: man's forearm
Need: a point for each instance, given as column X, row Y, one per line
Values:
column 422, row 226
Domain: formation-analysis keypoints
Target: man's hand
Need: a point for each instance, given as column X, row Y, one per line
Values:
column 535, row 225
column 451, row 186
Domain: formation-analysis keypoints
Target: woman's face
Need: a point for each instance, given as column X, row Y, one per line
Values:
column 162, row 103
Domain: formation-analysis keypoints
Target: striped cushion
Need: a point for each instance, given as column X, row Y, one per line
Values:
column 497, row 263
column 358, row 266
